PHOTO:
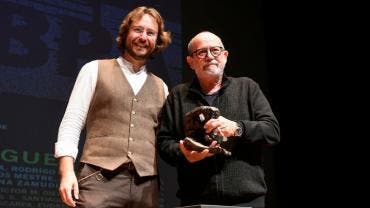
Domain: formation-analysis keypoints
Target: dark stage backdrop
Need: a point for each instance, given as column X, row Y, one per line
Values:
column 43, row 45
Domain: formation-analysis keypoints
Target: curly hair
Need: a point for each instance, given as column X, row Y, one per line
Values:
column 164, row 37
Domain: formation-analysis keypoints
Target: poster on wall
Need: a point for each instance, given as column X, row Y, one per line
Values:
column 43, row 45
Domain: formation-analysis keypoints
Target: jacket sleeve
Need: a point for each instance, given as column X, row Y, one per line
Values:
column 167, row 136
column 263, row 126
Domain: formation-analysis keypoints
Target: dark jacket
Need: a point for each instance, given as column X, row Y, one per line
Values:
column 220, row 179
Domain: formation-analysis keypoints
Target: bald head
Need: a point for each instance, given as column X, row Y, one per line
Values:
column 204, row 37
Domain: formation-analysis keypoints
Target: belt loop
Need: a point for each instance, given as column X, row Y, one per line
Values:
column 131, row 167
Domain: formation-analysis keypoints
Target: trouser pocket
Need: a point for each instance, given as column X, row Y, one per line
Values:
column 88, row 172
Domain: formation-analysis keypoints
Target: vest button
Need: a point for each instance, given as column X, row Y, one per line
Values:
column 132, row 125
column 133, row 112
column 131, row 139
column 135, row 99
column 129, row 153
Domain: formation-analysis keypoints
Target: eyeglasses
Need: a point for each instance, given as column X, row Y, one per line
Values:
column 203, row 52
column 140, row 30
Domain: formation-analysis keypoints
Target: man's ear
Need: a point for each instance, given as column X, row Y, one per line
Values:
column 226, row 53
column 189, row 60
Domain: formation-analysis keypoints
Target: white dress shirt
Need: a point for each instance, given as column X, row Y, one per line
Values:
column 79, row 102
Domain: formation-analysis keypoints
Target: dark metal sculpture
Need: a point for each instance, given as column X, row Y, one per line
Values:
column 196, row 137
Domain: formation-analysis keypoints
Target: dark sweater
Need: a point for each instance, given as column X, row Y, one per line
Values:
column 220, row 179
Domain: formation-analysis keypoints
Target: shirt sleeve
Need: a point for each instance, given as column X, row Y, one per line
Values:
column 76, row 112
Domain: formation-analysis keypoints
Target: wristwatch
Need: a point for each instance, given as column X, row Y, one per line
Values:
column 239, row 130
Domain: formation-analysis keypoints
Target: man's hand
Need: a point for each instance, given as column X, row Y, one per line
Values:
column 222, row 126
column 194, row 156
column 68, row 181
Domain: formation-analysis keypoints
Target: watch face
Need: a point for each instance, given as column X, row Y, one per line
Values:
column 238, row 131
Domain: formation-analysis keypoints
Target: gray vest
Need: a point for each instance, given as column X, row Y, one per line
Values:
column 121, row 126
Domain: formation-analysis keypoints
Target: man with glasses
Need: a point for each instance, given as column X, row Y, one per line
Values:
column 118, row 101
column 246, row 120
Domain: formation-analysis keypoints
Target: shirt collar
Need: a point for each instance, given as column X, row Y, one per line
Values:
column 195, row 86
column 127, row 66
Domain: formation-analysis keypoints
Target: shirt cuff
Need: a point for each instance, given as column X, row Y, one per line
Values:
column 63, row 148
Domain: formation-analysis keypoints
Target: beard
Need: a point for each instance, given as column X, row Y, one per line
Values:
column 215, row 70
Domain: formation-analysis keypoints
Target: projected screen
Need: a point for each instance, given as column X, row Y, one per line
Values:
column 43, row 45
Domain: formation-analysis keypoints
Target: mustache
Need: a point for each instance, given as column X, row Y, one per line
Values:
column 211, row 63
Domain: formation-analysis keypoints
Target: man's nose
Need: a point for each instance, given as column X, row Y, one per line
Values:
column 143, row 34
column 209, row 54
